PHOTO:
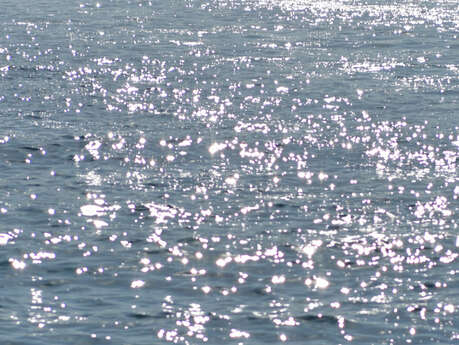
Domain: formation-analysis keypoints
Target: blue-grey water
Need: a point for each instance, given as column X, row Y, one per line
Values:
column 229, row 172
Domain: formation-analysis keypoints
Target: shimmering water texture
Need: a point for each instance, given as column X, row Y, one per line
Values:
column 229, row 172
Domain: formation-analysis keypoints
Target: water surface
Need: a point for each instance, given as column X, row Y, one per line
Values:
column 229, row 172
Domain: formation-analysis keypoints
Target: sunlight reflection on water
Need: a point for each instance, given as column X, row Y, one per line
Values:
column 233, row 171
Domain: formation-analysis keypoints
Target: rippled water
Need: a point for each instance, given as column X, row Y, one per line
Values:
column 229, row 172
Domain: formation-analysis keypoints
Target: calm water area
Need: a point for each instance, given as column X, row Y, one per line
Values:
column 229, row 172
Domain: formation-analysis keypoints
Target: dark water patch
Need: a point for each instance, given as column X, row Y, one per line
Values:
column 156, row 251
column 30, row 148
column 430, row 285
column 319, row 318
column 142, row 316
column 141, row 208
column 51, row 283
column 4, row 263
column 260, row 291
column 162, row 315
column 188, row 240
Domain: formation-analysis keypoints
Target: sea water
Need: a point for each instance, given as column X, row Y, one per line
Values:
column 229, row 172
